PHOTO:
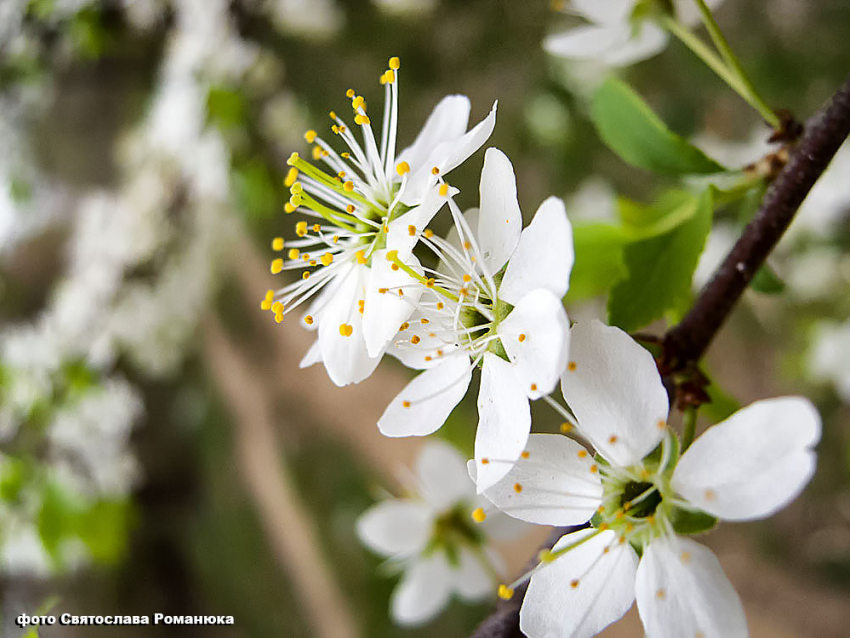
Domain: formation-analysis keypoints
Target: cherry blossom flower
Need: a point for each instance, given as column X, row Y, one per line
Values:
column 367, row 201
column 496, row 301
column 432, row 538
column 620, row 32
column 827, row 360
column 639, row 496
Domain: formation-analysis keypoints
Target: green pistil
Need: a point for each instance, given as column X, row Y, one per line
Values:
column 453, row 530
column 644, row 507
column 393, row 257
column 335, row 217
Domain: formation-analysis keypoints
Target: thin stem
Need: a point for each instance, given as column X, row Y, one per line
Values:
column 731, row 76
column 689, row 419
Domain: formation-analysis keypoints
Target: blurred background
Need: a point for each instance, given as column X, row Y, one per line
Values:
column 161, row 451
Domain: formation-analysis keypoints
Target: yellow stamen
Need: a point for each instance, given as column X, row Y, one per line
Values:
column 291, row 176
column 277, row 266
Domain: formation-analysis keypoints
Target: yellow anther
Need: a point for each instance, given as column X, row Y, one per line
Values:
column 316, row 228
column 296, row 189
column 360, row 256
column 402, row 168
column 429, row 283
column 293, row 253
column 317, row 153
column 301, row 228
column 439, row 353
column 478, row 515
column 335, row 239
column 710, row 495
column 613, row 439
column 392, row 255
column 306, row 256
column 348, row 187
column 358, row 102
column 361, row 305
column 594, row 469
column 444, row 190
column 394, row 267
column 350, row 209
column 517, row 488
column 278, row 317
column 405, row 404
column 485, row 461
column 327, row 259
column 566, row 427
column 428, row 233
column 403, row 327
column 389, row 76
column 574, row 583
column 521, row 338
column 335, row 129
column 266, row 304
column 415, row 339
column 383, row 291
column 277, row 266
column 345, row 155
column 345, row 329
column 685, row 557
column 292, row 159
column 428, row 358
column 362, row 120
column 277, row 307
column 305, row 275
column 505, row 592
column 277, row 243
column 288, row 208
column 295, row 200
column 424, row 321
column 571, row 366
column 308, row 320
column 651, row 519
column 291, row 176
column 582, row 454
column 332, row 115
column 467, row 279
column 435, row 170
column 383, row 78
column 661, row 594
column 534, row 387
column 604, row 527
column 440, row 305
column 350, row 93
column 525, row 454
column 310, row 136
column 395, row 63
column 463, row 291
column 467, row 245
column 661, row 424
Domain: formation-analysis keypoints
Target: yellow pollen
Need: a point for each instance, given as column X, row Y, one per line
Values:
column 295, row 200
column 467, row 245
column 341, row 174
column 394, row 63
column 644, row 473
column 383, row 291
column 525, row 454
column 350, row 93
column 266, row 304
column 685, row 557
column 467, row 278
column 574, row 583
column 444, row 190
column 571, row 366
column 505, row 592
column 521, row 338
column 651, row 519
column 360, row 256
column 517, row 488
column 288, row 208
column 440, row 305
column 349, row 208
column 534, row 387
column 348, row 187
column 361, row 304
column 389, row 76
column 411, row 230
column 308, row 320
column 604, row 527
column 661, row 594
column 277, row 307
column 601, row 509
column 710, row 495
column 629, row 527
column 335, row 238
column 310, row 136
column 394, row 266
column 297, row 188
column 439, row 353
column 362, row 120
column 621, row 540
column 345, row 155
column 291, row 176
column 627, row 506
column 327, row 259
column 345, row 329
column 485, row 461
column 661, row 424
column 277, row 243
column 301, row 229
column 358, row 102
column 385, row 228
column 582, row 454
column 429, row 283
column 566, row 427
column 316, row 228
column 293, row 253
column 428, row 233
column 424, row 321
column 415, row 339
column 316, row 152
column 463, row 291
column 478, row 515
column 332, row 115
column 428, row 358
column 292, row 159
column 432, row 335
column 392, row 255
column 305, row 275
column 277, row 266
column 402, row 168
column 405, row 404
column 606, row 549
column 278, row 317
column 403, row 327
column 612, row 439
column 400, row 291
column 435, row 170
column 594, row 469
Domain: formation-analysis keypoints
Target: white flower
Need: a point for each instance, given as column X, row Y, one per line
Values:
column 828, row 358
column 433, row 538
column 620, row 32
column 512, row 321
column 744, row 468
column 369, row 200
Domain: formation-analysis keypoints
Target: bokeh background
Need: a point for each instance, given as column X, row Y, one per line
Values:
column 161, row 449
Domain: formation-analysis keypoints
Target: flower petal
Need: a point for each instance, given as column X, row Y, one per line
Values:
column 312, row 356
column 504, row 421
column 582, row 592
column 544, row 256
column 536, row 337
column 552, row 485
column 396, row 528
column 753, row 463
column 472, row 580
column 687, row 10
column 682, row 591
column 383, row 313
column 608, row 12
column 613, row 387
column 447, row 121
column 499, row 218
column 649, row 40
column 587, row 42
column 346, row 358
column 399, row 236
column 424, row 353
column 443, row 479
column 426, row 402
column 423, row 591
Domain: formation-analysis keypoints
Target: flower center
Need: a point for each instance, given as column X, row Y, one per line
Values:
column 637, row 507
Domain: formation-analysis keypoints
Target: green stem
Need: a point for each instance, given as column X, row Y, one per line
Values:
column 689, row 419
column 737, row 83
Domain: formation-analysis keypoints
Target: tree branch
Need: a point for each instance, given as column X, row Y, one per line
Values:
column 685, row 344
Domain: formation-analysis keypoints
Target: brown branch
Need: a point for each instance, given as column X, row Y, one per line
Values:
column 685, row 344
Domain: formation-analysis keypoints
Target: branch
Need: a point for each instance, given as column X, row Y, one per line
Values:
column 685, row 344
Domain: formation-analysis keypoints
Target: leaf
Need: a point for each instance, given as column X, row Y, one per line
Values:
column 599, row 260
column 766, row 281
column 630, row 128
column 686, row 522
column 660, row 270
column 672, row 209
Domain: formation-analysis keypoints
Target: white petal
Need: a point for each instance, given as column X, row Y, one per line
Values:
column 399, row 236
column 613, row 387
column 554, row 485
column 423, row 591
column 682, row 591
column 446, row 122
column 471, row 578
column 396, row 528
column 650, row 40
column 442, row 474
column 447, row 156
column 453, row 237
column 312, row 356
column 426, row 402
column 499, row 526
column 753, row 463
column 499, row 218
column 346, row 358
column 605, row 11
column 587, row 42
column 384, row 313
column 421, row 355
column 544, row 256
column 536, row 337
column 553, row 608
column 688, row 12
column 504, row 421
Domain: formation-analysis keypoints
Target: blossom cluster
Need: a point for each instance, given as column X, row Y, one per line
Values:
column 374, row 279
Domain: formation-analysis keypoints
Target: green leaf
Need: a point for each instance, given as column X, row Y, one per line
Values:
column 630, row 128
column 599, row 260
column 767, row 281
column 672, row 209
column 255, row 189
column 660, row 269
column 226, row 107
column 687, row 522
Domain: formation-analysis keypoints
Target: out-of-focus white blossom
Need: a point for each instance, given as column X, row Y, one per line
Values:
column 405, row 7
column 829, row 356
column 309, row 18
